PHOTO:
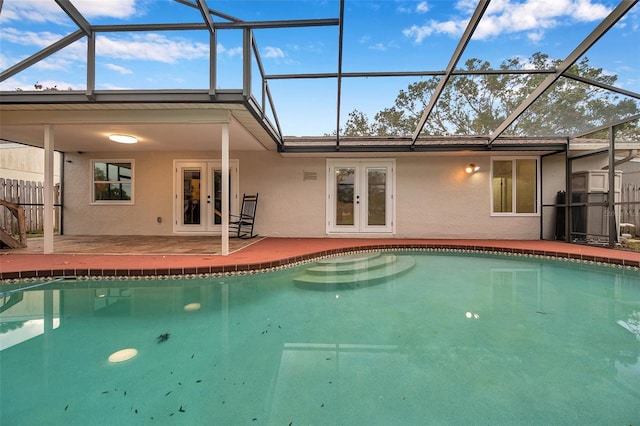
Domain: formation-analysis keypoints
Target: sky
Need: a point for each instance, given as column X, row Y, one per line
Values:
column 383, row 35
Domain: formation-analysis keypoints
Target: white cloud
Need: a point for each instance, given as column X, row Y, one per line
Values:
column 54, row 64
column 419, row 33
column 32, row 11
column 29, row 38
column 151, row 47
column 234, row 51
column 587, row 11
column 422, row 7
column 48, row 11
column 36, row 41
column 101, row 8
column 119, row 69
column 273, row 52
column 531, row 17
column 378, row 46
column 535, row 36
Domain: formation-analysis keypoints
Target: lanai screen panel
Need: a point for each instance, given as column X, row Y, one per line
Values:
column 571, row 107
column 309, row 105
column 522, row 29
column 382, row 106
column 394, row 36
column 477, row 104
column 615, row 58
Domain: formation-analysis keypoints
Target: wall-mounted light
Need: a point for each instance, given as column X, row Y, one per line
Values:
column 123, row 139
column 471, row 168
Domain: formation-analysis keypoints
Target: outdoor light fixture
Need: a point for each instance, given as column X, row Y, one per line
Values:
column 123, row 139
column 472, row 168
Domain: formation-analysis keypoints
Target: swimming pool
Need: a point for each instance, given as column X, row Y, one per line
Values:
column 457, row 338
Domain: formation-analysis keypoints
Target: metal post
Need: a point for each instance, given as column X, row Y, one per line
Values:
column 47, row 218
column 225, row 189
column 246, row 63
column 91, row 65
column 568, row 223
column 611, row 193
column 213, row 63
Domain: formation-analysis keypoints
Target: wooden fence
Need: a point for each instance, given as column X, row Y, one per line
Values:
column 30, row 195
column 630, row 209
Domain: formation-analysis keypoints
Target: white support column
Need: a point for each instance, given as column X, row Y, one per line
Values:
column 225, row 189
column 47, row 218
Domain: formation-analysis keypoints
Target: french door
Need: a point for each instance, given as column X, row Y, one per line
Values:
column 198, row 195
column 360, row 196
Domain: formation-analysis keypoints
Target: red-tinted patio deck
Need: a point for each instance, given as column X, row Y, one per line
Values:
column 269, row 253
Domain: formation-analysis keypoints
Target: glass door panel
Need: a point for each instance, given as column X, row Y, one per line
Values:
column 191, row 196
column 345, row 196
column 217, row 197
column 216, row 173
column 376, row 196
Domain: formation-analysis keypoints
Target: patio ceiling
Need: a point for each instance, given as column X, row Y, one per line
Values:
column 180, row 119
column 157, row 126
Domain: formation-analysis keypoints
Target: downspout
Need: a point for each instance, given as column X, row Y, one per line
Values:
column 632, row 154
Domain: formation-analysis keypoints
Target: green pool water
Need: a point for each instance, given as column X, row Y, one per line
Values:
column 456, row 339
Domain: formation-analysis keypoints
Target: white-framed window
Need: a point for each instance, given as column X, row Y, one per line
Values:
column 112, row 181
column 515, row 186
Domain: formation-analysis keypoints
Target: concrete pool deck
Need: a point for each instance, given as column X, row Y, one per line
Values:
column 145, row 256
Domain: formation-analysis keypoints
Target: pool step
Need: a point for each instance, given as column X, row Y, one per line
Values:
column 350, row 267
column 354, row 270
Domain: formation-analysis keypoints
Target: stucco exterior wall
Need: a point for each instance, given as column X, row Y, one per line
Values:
column 434, row 198
column 437, row 199
column 25, row 163
column 153, row 194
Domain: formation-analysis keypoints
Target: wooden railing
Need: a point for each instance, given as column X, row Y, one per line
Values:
column 8, row 238
column 30, row 196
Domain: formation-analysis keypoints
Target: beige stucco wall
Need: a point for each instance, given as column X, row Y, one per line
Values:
column 25, row 163
column 434, row 197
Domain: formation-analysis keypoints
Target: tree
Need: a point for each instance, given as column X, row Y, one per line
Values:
column 477, row 104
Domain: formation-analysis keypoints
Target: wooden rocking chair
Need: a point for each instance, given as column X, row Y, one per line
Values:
column 241, row 226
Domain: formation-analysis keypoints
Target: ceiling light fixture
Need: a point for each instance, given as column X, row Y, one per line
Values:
column 123, row 139
column 472, row 168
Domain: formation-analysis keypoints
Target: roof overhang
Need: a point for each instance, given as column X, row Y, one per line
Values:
column 185, row 121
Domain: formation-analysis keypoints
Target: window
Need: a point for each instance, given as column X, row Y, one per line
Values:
column 112, row 181
column 514, row 186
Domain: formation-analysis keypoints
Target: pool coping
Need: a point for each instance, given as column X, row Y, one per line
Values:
column 573, row 253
